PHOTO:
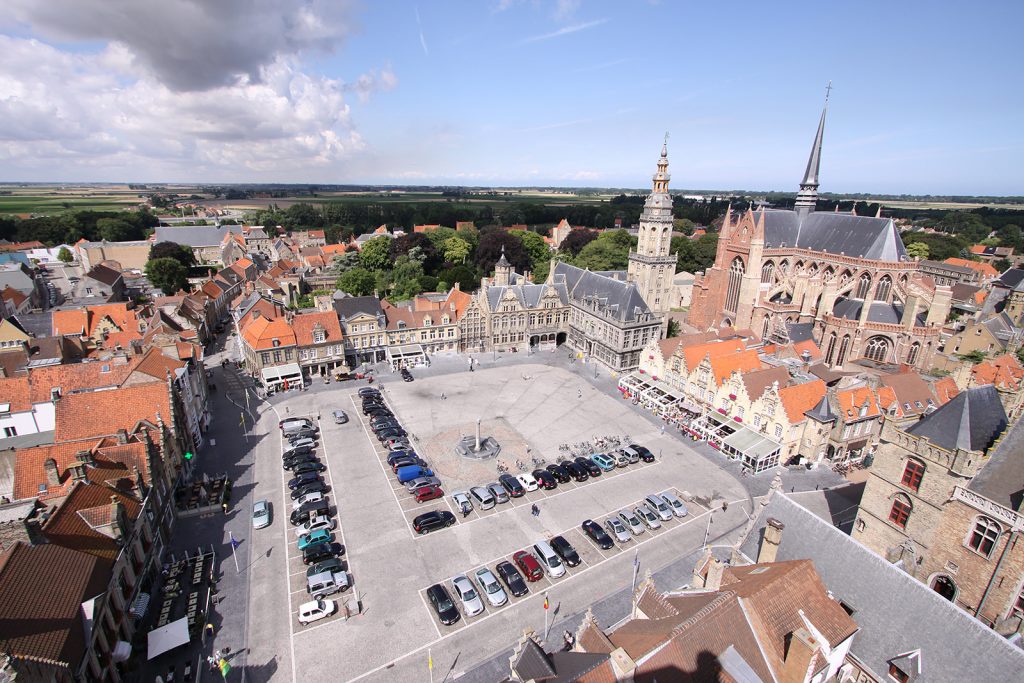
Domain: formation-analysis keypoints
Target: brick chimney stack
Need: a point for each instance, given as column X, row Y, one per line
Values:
column 715, row 571
column 52, row 473
column 770, row 542
column 801, row 657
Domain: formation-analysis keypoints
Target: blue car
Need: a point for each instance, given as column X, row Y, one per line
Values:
column 411, row 472
column 318, row 536
column 605, row 462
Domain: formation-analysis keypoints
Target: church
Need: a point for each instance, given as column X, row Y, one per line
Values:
column 845, row 276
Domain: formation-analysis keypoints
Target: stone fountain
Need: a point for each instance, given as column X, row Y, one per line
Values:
column 476, row 448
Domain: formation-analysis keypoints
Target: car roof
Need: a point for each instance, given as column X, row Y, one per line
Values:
column 260, row 504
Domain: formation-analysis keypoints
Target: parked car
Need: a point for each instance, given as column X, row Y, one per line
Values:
column 295, row 452
column 621, row 459
column 559, row 473
column 425, row 493
column 369, row 391
column 603, row 461
column 528, row 482
column 311, row 497
column 631, row 453
column 565, row 550
column 512, row 578
column 400, row 453
column 549, row 559
column 314, row 466
column 308, row 511
column 326, row 582
column 399, row 442
column 658, row 505
column 305, row 441
column 632, row 522
column 490, row 587
column 292, row 463
column 617, row 529
column 411, row 472
column 304, row 478
column 589, row 465
column 433, row 520
column 420, row 482
column 374, row 409
column 462, row 502
column 340, row 417
column 383, row 423
column 648, row 516
column 406, row 375
column 512, row 485
column 498, row 491
column 335, row 564
column 482, row 496
column 442, row 603
column 644, row 454
column 300, row 434
column 677, row 506
column 529, row 565
column 575, row 471
column 406, row 462
column 321, row 551
column 315, row 610
column 597, row 534
column 390, row 433
column 295, row 422
column 317, row 485
column 545, row 479
column 316, row 523
column 313, row 537
column 260, row 514
column 465, row 591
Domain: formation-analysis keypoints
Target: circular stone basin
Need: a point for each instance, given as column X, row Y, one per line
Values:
column 489, row 448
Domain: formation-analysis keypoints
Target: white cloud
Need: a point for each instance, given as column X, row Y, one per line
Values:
column 565, row 30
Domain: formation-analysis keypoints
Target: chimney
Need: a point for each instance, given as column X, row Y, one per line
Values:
column 86, row 457
column 122, row 436
column 715, row 571
column 118, row 518
column 52, row 474
column 770, row 542
column 800, row 658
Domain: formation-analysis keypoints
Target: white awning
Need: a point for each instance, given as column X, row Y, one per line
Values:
column 174, row 634
column 279, row 373
column 122, row 651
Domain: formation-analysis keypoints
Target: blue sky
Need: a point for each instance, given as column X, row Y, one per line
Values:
column 926, row 96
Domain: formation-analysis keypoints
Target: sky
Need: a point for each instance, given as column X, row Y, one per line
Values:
column 926, row 97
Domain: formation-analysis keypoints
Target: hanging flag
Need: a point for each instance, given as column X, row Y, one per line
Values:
column 234, row 542
column 224, row 668
column 545, row 602
column 241, row 419
column 636, row 560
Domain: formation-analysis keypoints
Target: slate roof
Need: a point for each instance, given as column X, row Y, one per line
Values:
column 799, row 332
column 971, row 421
column 1001, row 480
column 619, row 299
column 895, row 612
column 42, row 589
column 821, row 412
column 833, row 233
column 195, row 235
column 529, row 295
column 351, row 306
column 881, row 312
column 1012, row 278
column 104, row 274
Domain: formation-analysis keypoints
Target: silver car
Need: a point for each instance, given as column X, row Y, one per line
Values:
column 678, row 507
column 615, row 528
column 414, row 484
column 484, row 499
column 465, row 591
column 340, row 417
column 493, row 591
column 498, row 492
column 648, row 516
column 659, row 506
column 260, row 514
column 632, row 522
column 462, row 502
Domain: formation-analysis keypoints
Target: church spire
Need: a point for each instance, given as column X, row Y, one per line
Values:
column 807, row 197
column 662, row 176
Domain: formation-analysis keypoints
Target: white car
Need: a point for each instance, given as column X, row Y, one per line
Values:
column 471, row 603
column 260, row 514
column 615, row 528
column 677, row 506
column 648, row 516
column 632, row 522
column 528, row 482
column 493, row 591
column 659, row 506
column 315, row 524
column 313, row 611
column 311, row 497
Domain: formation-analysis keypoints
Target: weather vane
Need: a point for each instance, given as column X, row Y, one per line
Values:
column 828, row 90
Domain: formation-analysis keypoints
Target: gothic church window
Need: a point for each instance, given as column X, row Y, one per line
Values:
column 831, row 348
column 863, row 287
column 844, row 348
column 878, row 349
column 915, row 351
column 732, row 298
column 767, row 270
column 883, row 288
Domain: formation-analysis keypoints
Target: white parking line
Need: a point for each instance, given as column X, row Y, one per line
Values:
column 430, row 611
column 286, row 521
column 337, row 512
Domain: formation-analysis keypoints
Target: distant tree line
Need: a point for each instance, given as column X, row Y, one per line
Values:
column 68, row 228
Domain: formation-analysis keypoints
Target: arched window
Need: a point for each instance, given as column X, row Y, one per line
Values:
column 764, row 330
column 831, row 349
column 913, row 473
column 784, row 267
column 913, row 353
column 732, row 297
column 945, row 586
column 845, row 277
column 799, row 267
column 767, row 270
column 829, row 274
column 877, row 349
column 983, row 537
column 844, row 349
column 900, row 511
column 813, row 270
column 883, row 288
column 863, row 287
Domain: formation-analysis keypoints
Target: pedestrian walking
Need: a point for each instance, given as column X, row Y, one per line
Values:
column 579, row 393
column 212, row 662
column 209, row 630
column 570, row 641
column 224, row 506
column 534, row 510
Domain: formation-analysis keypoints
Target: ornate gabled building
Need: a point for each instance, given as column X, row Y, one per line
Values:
column 848, row 275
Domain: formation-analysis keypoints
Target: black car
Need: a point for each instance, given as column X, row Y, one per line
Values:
column 645, row 454
column 377, row 411
column 405, row 462
column 512, row 578
column 545, row 479
column 291, row 463
column 512, row 485
column 318, row 552
column 589, row 465
column 565, row 551
column 318, row 486
column 307, row 467
column 302, row 513
column 391, row 434
column 433, row 520
column 335, row 564
column 385, row 426
column 380, row 422
column 443, row 605
column 575, row 471
column 406, row 375
column 559, row 473
column 369, row 391
column 304, row 478
column 301, row 450
column 597, row 534
column 399, row 454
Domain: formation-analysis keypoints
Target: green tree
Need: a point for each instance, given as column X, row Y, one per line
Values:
column 65, row 255
column 673, row 329
column 357, row 282
column 115, row 230
column 536, row 248
column 918, row 250
column 167, row 274
column 376, row 254
column 405, row 280
column 178, row 252
column 455, row 250
column 974, row 357
column 610, row 251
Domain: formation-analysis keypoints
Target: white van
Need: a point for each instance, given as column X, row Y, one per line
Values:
column 550, row 560
column 326, row 583
column 293, row 429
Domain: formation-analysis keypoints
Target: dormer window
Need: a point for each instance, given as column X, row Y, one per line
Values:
column 319, row 335
column 276, row 343
column 401, row 324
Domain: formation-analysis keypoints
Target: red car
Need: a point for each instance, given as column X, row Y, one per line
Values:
column 425, row 493
column 528, row 565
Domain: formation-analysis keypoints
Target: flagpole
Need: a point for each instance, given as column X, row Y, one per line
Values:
column 545, row 618
column 636, row 568
column 430, row 665
column 233, row 555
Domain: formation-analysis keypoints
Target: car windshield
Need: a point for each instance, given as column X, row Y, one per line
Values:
column 469, row 594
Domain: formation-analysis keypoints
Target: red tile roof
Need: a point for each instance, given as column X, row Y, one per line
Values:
column 1005, row 372
column 852, row 400
column 985, row 269
column 78, row 522
column 757, row 382
column 113, row 461
column 799, row 398
column 693, row 355
column 261, row 333
column 85, row 321
column 722, row 366
column 304, row 323
column 14, row 296
column 101, row 413
column 809, row 346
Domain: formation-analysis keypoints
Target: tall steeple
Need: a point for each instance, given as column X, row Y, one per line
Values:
column 661, row 177
column 807, row 197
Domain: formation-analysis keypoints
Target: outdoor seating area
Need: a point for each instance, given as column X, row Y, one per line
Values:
column 650, row 392
column 185, row 590
column 755, row 451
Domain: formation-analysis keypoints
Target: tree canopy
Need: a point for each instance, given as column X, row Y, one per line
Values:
column 376, row 254
column 178, row 252
column 167, row 274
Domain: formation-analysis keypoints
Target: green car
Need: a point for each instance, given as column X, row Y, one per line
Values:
column 605, row 462
column 318, row 536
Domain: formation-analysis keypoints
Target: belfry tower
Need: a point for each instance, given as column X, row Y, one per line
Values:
column 651, row 267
